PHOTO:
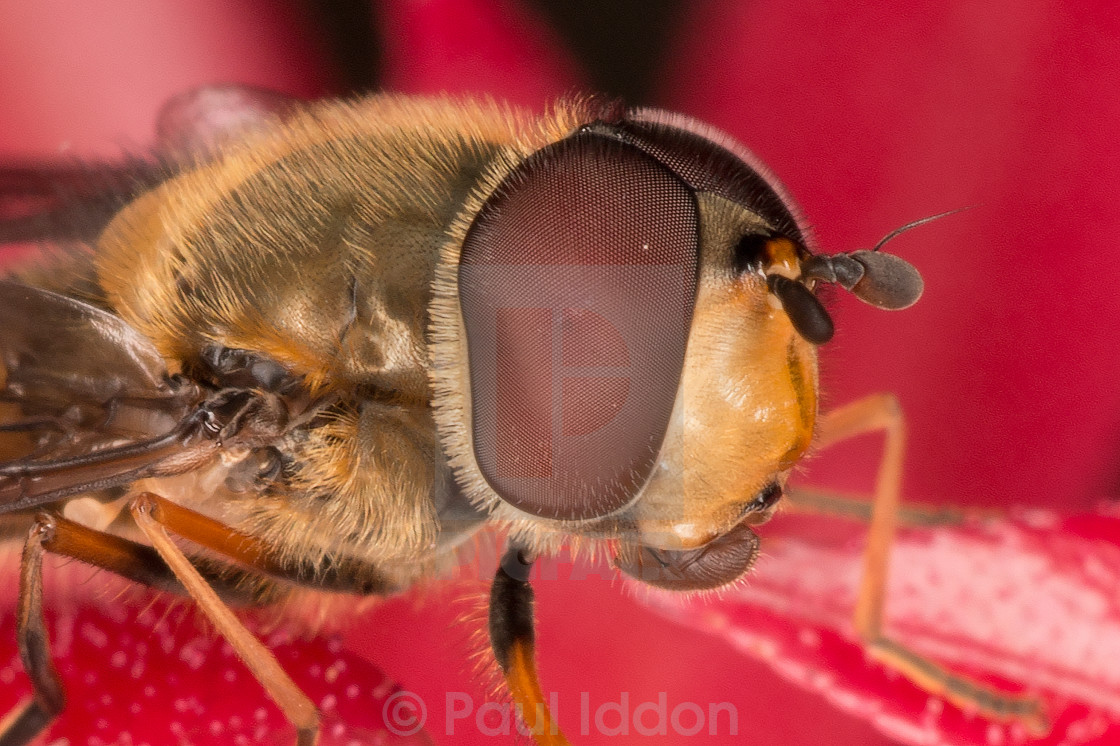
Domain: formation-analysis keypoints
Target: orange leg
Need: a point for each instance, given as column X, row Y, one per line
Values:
column 29, row 718
column 164, row 566
column 295, row 705
column 858, row 508
column 347, row 575
column 49, row 533
column 881, row 412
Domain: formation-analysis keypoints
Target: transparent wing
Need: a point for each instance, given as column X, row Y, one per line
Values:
column 73, row 201
column 67, row 201
column 86, row 402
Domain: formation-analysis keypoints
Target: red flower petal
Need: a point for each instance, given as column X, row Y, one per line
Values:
column 142, row 669
column 1026, row 604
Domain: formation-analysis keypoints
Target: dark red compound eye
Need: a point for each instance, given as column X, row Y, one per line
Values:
column 577, row 282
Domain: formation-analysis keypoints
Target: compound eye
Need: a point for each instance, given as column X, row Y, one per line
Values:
column 577, row 282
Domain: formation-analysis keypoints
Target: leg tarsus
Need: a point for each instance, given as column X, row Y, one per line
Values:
column 961, row 690
column 48, row 698
column 24, row 723
column 881, row 412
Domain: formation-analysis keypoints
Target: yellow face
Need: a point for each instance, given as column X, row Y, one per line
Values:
column 747, row 403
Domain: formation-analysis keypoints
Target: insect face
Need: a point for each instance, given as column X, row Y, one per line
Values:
column 624, row 368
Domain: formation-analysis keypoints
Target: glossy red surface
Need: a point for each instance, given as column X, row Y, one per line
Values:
column 873, row 115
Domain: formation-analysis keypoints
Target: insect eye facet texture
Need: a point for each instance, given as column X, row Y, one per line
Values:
column 598, row 239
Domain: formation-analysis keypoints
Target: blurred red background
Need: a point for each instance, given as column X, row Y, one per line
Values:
column 873, row 115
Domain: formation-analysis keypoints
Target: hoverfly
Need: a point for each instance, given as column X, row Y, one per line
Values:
column 329, row 344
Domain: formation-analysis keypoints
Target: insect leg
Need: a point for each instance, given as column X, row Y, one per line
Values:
column 512, row 639
column 345, row 574
column 859, row 508
column 296, row 706
column 57, row 535
column 874, row 413
column 47, row 700
column 881, row 412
